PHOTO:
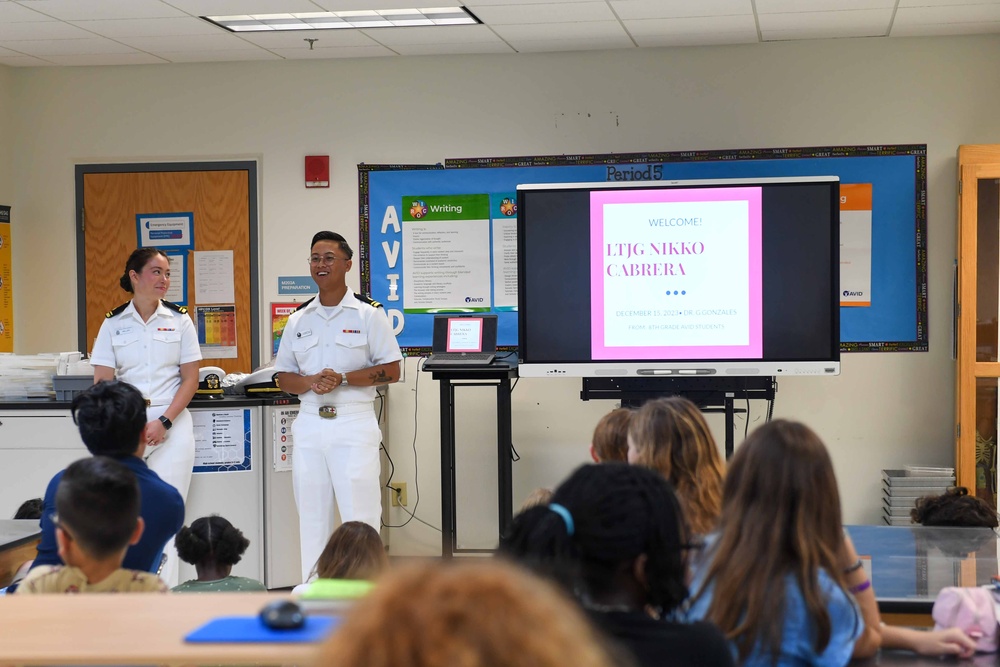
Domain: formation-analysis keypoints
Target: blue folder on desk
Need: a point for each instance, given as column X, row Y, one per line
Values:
column 250, row 629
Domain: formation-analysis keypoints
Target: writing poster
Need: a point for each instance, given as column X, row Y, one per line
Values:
column 446, row 260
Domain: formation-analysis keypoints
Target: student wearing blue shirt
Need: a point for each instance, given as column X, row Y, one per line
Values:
column 773, row 580
column 111, row 416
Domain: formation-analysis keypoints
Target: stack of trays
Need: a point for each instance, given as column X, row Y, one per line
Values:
column 901, row 488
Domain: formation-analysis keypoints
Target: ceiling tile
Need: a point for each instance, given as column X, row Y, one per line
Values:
column 217, row 56
column 297, row 40
column 334, row 52
column 149, row 27
column 577, row 44
column 22, row 61
column 176, row 43
column 452, row 49
column 474, row 5
column 699, row 25
column 874, row 21
column 795, row 6
column 41, row 30
column 459, row 34
column 667, row 9
column 231, row 7
column 699, row 39
column 106, row 59
column 951, row 14
column 940, row 3
column 555, row 12
column 352, row 5
column 68, row 47
column 920, row 30
column 11, row 12
column 560, row 31
column 83, row 10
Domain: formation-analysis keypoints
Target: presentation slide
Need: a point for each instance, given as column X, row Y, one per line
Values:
column 676, row 274
column 465, row 334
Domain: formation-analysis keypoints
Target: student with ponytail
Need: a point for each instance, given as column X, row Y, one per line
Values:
column 614, row 537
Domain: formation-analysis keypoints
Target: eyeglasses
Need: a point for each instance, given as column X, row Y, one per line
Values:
column 54, row 518
column 316, row 260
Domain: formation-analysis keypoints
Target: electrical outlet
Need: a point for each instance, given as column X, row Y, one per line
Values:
column 398, row 494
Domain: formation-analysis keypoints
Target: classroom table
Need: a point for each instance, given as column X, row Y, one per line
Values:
column 909, row 565
column 18, row 539
column 133, row 629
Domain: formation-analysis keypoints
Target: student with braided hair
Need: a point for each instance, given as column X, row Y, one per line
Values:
column 213, row 546
column 614, row 537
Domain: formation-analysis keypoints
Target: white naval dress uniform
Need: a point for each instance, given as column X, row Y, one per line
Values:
column 148, row 356
column 335, row 459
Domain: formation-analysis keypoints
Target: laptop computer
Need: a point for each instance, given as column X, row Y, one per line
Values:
column 463, row 341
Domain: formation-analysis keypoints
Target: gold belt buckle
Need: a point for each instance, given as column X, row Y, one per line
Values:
column 148, row 402
column 328, row 411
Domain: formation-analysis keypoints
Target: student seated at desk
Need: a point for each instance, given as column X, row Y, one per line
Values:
column 111, row 416
column 354, row 551
column 98, row 518
column 613, row 536
column 213, row 546
column 29, row 509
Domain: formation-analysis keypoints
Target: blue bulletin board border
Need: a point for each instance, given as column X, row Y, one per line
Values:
column 896, row 320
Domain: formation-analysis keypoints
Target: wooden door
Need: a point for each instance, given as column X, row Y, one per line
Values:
column 223, row 203
column 978, row 307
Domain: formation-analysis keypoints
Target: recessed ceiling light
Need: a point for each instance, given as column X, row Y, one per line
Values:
column 373, row 18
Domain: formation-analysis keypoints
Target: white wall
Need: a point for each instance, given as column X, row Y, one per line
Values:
column 885, row 410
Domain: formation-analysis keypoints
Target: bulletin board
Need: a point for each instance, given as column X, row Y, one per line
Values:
column 891, row 317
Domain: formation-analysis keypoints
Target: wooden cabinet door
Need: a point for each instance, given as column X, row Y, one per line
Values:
column 221, row 201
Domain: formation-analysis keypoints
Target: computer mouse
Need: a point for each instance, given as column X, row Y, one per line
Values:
column 282, row 615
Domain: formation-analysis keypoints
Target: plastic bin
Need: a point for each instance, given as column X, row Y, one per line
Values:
column 67, row 387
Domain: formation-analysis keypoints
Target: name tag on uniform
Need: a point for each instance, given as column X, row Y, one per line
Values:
column 120, row 332
column 304, row 334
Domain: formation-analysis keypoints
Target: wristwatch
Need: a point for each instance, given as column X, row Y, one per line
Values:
column 343, row 378
column 166, row 422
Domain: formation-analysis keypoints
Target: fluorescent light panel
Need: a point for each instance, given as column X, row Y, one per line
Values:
column 375, row 18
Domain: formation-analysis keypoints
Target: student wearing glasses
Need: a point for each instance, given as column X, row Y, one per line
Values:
column 335, row 350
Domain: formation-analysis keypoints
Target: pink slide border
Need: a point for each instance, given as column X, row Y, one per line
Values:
column 598, row 198
column 479, row 348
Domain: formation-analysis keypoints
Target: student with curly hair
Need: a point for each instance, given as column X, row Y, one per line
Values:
column 954, row 508
column 614, row 537
column 670, row 436
column 213, row 546
column 473, row 614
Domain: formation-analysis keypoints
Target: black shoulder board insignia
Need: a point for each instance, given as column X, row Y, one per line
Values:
column 304, row 304
column 118, row 310
column 173, row 306
column 367, row 299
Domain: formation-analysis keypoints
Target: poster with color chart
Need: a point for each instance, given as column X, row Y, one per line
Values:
column 217, row 331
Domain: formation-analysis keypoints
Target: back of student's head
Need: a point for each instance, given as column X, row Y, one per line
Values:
column 30, row 509
column 211, row 539
column 110, row 416
column 780, row 517
column 354, row 551
column 954, row 508
column 602, row 517
column 97, row 504
column 471, row 614
column 610, row 439
column 670, row 435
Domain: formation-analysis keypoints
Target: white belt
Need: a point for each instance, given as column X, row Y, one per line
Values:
column 332, row 411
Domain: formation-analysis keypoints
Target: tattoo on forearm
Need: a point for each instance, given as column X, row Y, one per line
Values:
column 379, row 376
